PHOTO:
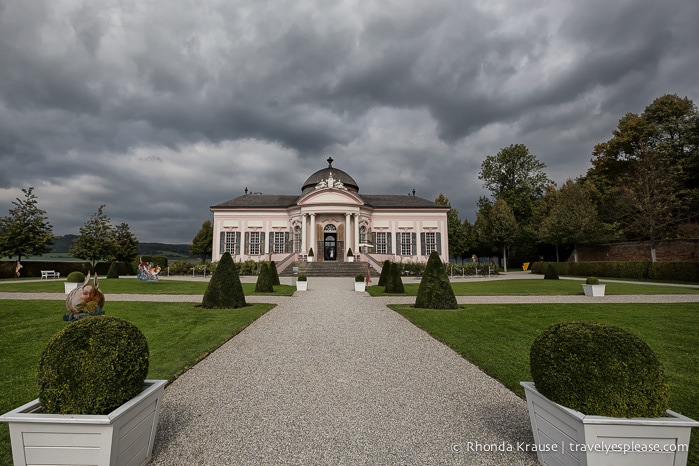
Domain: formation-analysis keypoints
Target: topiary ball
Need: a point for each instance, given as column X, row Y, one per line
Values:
column 75, row 277
column 599, row 369
column 92, row 366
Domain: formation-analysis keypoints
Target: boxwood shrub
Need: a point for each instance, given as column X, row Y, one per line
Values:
column 672, row 271
column 92, row 366
column 599, row 369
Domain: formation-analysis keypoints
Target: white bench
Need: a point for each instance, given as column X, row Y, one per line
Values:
column 50, row 274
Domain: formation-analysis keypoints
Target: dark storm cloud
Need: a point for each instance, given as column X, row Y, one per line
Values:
column 161, row 109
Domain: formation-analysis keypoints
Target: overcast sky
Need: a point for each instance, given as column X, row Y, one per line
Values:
column 161, row 108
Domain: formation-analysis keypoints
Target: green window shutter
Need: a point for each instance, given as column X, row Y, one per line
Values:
column 262, row 243
column 222, row 236
column 399, row 245
column 438, row 242
column 288, row 242
column 247, row 243
column 237, row 243
column 423, row 244
column 414, row 243
column 271, row 242
column 389, row 249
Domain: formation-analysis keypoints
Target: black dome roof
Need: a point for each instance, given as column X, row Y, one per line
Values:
column 324, row 174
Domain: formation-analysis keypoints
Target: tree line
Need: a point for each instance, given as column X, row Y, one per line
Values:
column 643, row 185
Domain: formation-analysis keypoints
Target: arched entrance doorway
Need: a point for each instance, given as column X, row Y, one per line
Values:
column 330, row 243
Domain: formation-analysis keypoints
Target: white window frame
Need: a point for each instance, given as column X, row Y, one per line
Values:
column 381, row 246
column 406, row 244
column 430, row 242
column 229, row 243
column 279, row 242
column 255, row 243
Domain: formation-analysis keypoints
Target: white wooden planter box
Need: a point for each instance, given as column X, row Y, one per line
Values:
column 350, row 258
column 123, row 437
column 359, row 286
column 301, row 286
column 569, row 437
column 594, row 290
column 70, row 286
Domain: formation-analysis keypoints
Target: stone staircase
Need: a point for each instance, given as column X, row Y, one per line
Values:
column 326, row 269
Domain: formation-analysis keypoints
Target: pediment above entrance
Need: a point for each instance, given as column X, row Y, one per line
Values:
column 330, row 196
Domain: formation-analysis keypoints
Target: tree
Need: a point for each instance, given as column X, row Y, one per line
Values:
column 499, row 226
column 455, row 229
column 96, row 240
column 224, row 290
column 660, row 149
column 435, row 291
column 516, row 176
column 125, row 244
column 571, row 216
column 26, row 231
column 202, row 244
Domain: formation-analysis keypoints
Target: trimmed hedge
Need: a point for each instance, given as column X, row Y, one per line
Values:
column 224, row 290
column 435, row 291
column 672, row 271
column 92, row 366
column 385, row 272
column 264, row 280
column 599, row 370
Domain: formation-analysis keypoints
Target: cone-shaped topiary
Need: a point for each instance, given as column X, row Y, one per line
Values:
column 264, row 280
column 224, row 290
column 394, row 283
column 113, row 271
column 435, row 290
column 598, row 369
column 76, row 277
column 92, row 366
column 274, row 274
column 385, row 271
column 551, row 273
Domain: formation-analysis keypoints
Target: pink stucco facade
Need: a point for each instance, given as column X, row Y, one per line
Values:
column 330, row 216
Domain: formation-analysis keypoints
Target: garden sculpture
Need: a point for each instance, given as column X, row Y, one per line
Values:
column 85, row 300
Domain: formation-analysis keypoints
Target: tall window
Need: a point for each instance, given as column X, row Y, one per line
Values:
column 229, row 242
column 406, row 247
column 279, row 241
column 381, row 245
column 254, row 243
column 430, row 242
column 297, row 239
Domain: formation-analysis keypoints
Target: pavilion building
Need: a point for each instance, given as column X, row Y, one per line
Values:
column 330, row 217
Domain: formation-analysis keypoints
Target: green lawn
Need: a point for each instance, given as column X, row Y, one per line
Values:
column 505, row 287
column 179, row 335
column 133, row 286
column 497, row 338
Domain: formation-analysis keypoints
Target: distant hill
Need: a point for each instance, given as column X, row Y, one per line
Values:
column 171, row 251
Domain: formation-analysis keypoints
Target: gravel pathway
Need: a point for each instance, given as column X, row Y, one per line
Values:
column 331, row 376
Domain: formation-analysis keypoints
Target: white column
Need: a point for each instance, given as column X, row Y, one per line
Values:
column 313, row 232
column 303, row 234
column 348, row 218
column 356, row 233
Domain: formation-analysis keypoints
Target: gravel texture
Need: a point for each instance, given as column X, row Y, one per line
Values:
column 331, row 376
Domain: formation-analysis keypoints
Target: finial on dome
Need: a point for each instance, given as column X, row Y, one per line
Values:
column 330, row 162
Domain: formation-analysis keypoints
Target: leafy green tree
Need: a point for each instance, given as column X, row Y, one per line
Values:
column 571, row 216
column 435, row 291
column 125, row 244
column 499, row 226
column 96, row 240
column 26, row 231
column 224, row 290
column 202, row 244
column 657, row 152
column 516, row 176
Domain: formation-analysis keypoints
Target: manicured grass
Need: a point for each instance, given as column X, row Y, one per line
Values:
column 134, row 286
column 505, row 287
column 178, row 334
column 497, row 338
